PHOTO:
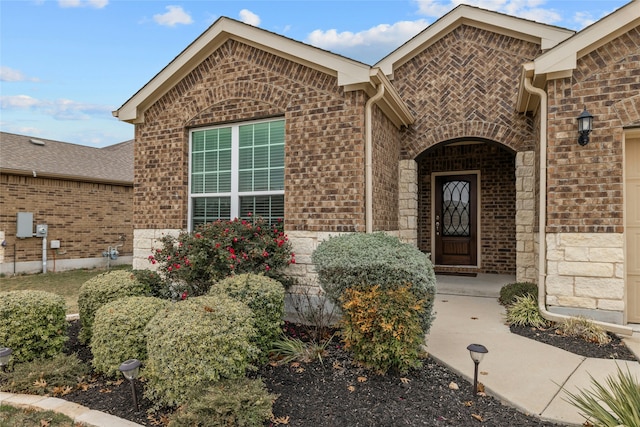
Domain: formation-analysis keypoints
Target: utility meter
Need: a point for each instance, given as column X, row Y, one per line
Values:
column 41, row 230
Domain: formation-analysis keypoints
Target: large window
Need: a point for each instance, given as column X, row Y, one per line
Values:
column 237, row 171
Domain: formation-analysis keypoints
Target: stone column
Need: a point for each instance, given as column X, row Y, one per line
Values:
column 408, row 201
column 526, row 270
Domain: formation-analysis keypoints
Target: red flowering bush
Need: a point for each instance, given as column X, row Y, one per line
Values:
column 190, row 262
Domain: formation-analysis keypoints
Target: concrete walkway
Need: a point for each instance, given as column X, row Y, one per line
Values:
column 77, row 413
column 521, row 372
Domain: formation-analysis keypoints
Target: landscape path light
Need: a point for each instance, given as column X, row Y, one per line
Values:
column 130, row 369
column 477, row 352
column 5, row 355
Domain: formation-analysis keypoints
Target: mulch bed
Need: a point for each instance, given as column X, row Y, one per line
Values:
column 338, row 392
column 616, row 349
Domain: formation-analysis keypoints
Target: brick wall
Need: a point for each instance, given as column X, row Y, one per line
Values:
column 497, row 195
column 585, row 184
column 466, row 85
column 324, row 147
column 386, row 151
column 85, row 217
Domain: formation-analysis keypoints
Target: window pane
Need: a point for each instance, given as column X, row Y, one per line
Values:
column 198, row 141
column 271, row 208
column 224, row 139
column 276, row 156
column 276, row 180
column 197, row 162
column 209, row 209
column 261, row 180
column 245, row 181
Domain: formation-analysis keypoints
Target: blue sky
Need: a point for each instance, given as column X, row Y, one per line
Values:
column 66, row 64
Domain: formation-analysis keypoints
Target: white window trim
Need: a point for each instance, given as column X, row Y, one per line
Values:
column 235, row 166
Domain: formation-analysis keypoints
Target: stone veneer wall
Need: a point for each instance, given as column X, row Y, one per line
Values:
column 585, row 275
column 144, row 243
column 526, row 267
column 408, row 201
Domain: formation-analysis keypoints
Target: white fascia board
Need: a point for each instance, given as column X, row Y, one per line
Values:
column 346, row 70
column 564, row 57
column 547, row 36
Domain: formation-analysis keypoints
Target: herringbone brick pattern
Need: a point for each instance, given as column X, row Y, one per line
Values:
column 465, row 86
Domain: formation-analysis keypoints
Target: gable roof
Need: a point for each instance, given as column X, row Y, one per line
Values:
column 25, row 155
column 560, row 61
column 351, row 74
column 546, row 35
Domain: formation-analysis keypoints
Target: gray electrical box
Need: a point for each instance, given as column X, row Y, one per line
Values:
column 25, row 225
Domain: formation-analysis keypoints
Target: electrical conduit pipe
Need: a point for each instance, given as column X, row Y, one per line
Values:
column 542, row 244
column 368, row 218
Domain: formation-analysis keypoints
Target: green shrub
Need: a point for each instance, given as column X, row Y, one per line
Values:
column 509, row 292
column 240, row 402
column 153, row 281
column 192, row 261
column 118, row 332
column 524, row 312
column 197, row 341
column 55, row 376
column 32, row 323
column 351, row 260
column 101, row 289
column 382, row 327
column 265, row 297
column 584, row 328
column 613, row 404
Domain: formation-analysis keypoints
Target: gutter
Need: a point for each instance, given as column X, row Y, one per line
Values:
column 542, row 216
column 368, row 183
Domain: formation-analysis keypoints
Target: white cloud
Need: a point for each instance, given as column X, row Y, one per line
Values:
column 249, row 17
column 367, row 45
column 175, row 15
column 527, row 9
column 60, row 109
column 97, row 4
column 8, row 74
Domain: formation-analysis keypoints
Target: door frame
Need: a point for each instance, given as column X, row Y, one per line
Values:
column 629, row 134
column 432, row 226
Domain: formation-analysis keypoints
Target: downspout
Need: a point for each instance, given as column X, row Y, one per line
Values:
column 368, row 218
column 542, row 244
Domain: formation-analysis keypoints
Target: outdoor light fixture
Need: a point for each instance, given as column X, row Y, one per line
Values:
column 477, row 352
column 130, row 370
column 585, row 126
column 5, row 355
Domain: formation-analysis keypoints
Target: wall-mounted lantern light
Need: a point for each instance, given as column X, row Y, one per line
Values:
column 585, row 126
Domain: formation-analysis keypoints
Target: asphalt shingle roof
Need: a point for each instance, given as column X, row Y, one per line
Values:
column 20, row 153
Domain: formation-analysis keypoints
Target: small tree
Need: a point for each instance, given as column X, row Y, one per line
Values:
column 191, row 262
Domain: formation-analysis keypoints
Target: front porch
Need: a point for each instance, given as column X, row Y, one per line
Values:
column 482, row 285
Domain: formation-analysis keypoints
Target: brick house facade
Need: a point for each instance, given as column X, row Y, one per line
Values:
column 447, row 142
column 83, row 194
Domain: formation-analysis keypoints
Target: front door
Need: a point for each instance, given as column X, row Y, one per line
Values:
column 632, row 228
column 455, row 220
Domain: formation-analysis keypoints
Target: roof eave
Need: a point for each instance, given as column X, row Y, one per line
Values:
column 347, row 71
column 78, row 178
column 545, row 35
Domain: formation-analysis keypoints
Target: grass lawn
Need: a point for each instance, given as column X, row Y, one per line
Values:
column 21, row 417
column 66, row 283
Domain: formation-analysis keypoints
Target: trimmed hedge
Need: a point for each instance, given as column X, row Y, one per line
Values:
column 195, row 342
column 33, row 324
column 508, row 293
column 352, row 260
column 242, row 402
column 264, row 296
column 118, row 332
column 101, row 289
